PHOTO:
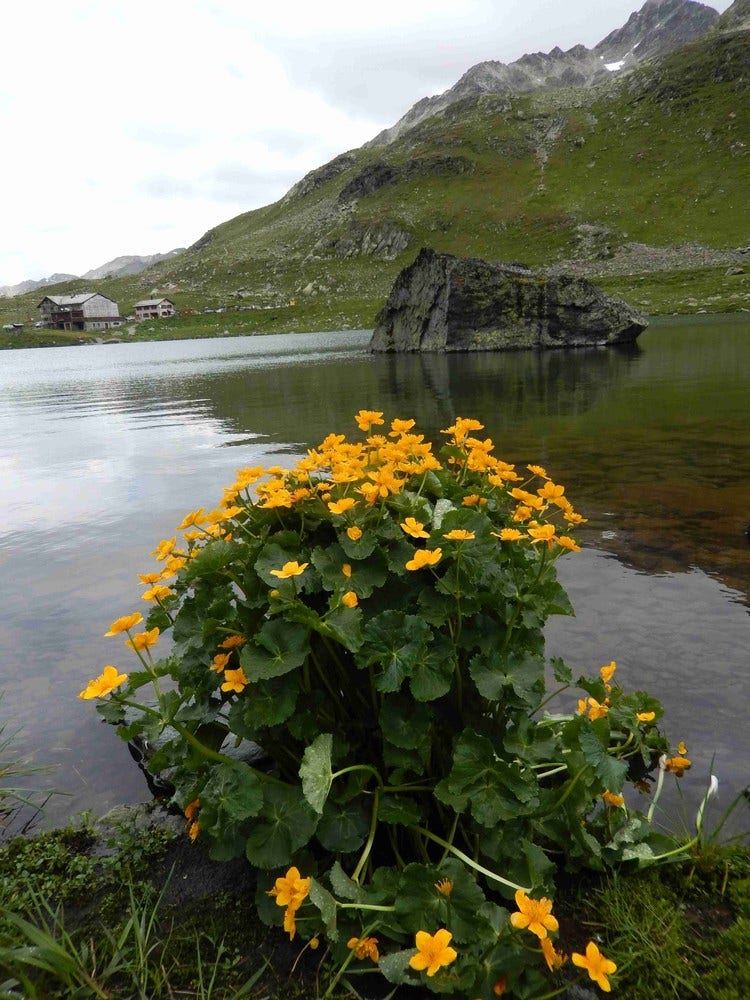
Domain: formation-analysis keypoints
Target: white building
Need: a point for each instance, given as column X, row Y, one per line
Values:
column 154, row 309
column 84, row 311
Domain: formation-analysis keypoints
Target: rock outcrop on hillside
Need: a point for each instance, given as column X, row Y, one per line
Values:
column 447, row 303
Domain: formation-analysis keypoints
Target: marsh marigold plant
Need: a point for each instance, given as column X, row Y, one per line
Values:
column 372, row 620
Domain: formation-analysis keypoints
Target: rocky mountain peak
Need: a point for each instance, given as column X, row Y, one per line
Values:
column 657, row 28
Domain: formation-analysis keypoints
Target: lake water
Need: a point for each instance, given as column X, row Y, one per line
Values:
column 103, row 450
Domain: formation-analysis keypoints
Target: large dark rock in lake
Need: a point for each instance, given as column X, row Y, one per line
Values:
column 446, row 303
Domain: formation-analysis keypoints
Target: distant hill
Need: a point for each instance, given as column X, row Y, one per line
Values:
column 117, row 268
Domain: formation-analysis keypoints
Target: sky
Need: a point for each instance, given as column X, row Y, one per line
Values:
column 133, row 127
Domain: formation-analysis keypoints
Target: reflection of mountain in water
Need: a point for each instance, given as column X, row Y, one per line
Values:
column 304, row 402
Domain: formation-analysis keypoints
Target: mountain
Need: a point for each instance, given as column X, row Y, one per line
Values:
column 736, row 17
column 638, row 182
column 8, row 291
column 117, row 268
column 657, row 28
column 122, row 266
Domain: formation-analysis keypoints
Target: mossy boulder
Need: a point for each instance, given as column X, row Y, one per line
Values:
column 447, row 303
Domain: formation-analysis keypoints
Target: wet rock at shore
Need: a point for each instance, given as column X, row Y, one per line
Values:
column 447, row 303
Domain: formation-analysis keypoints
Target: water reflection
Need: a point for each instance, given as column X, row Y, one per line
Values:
column 103, row 450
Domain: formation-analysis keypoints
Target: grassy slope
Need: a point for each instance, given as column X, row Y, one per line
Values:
column 659, row 157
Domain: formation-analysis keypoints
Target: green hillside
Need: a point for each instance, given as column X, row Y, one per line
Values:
column 641, row 185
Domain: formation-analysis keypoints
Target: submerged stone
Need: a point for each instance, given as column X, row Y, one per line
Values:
column 447, row 303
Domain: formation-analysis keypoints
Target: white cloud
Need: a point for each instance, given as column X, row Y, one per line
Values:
column 132, row 127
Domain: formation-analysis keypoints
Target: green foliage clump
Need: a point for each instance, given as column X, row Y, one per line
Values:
column 372, row 619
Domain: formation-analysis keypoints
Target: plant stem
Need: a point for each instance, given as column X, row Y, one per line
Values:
column 468, row 861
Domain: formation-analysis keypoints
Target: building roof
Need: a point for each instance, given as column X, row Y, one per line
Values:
column 73, row 300
column 152, row 302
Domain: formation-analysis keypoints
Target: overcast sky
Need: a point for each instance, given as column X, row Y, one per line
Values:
column 133, row 127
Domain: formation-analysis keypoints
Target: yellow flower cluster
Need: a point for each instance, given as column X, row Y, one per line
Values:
column 535, row 915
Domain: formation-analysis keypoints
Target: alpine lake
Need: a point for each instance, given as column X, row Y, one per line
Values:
column 104, row 449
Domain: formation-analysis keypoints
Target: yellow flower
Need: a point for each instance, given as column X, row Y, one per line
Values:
column 289, row 569
column 444, row 886
column 364, row 947
column 597, row 966
column 582, row 706
column 354, row 533
column 542, row 533
column 433, row 951
column 678, row 764
column 191, row 810
column 314, row 943
column 194, row 519
column 369, row 418
column 349, row 600
column 290, row 891
column 125, row 623
column 460, row 535
column 234, row 680
column 538, row 470
column 568, row 543
column 645, row 716
column 290, row 921
column 607, row 673
column 157, row 593
column 474, row 500
column 346, row 569
column 508, row 534
column 105, row 683
column 342, row 506
column 424, row 557
column 597, row 710
column 499, row 987
column 534, row 915
column 521, row 513
column 554, row 959
column 612, row 799
column 164, row 548
column 232, row 641
column 143, row 640
column 400, row 427
column 681, row 748
column 550, row 491
column 193, row 830
column 149, row 578
column 414, row 528
column 220, row 661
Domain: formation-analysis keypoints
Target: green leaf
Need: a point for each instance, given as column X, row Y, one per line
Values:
column 271, row 703
column 609, row 770
column 326, row 904
column 343, row 826
column 496, row 671
column 497, row 790
column 277, row 648
column 366, row 574
column 286, row 823
column 405, row 724
column 231, row 797
column 561, row 671
column 395, row 966
column 399, row 811
column 432, row 671
column 345, row 626
column 316, row 772
column 212, row 558
column 394, row 641
column 343, row 886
